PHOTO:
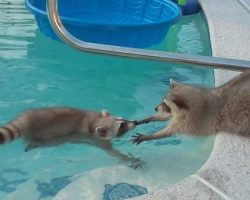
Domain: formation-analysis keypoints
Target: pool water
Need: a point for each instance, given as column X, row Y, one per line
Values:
column 37, row 72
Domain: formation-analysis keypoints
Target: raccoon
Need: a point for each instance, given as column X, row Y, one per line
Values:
column 197, row 110
column 58, row 125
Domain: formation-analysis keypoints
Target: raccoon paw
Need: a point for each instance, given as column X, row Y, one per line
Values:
column 138, row 138
column 136, row 163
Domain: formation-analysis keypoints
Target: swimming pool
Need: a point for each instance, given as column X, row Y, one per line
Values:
column 36, row 72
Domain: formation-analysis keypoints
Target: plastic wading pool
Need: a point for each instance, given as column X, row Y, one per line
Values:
column 131, row 23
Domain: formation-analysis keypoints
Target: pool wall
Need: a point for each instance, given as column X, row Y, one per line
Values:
column 226, row 174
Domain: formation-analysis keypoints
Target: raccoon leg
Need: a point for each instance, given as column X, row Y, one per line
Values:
column 133, row 162
column 34, row 143
column 166, row 132
column 155, row 118
column 107, row 146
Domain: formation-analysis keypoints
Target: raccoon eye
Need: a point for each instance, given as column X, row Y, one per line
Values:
column 122, row 125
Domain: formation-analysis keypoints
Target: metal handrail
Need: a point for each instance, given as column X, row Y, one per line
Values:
column 203, row 61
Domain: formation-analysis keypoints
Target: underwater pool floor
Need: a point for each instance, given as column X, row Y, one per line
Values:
column 37, row 72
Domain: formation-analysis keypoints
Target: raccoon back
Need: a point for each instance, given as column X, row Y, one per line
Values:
column 45, row 123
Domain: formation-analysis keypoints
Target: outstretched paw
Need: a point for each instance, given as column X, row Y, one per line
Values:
column 136, row 163
column 138, row 138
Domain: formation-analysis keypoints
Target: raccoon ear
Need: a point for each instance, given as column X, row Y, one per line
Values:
column 173, row 83
column 178, row 101
column 101, row 131
column 105, row 113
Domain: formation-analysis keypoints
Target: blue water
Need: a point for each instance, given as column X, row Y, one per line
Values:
column 37, row 72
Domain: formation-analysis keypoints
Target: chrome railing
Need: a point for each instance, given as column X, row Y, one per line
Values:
column 203, row 61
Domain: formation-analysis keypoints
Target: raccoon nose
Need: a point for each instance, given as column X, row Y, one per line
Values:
column 156, row 108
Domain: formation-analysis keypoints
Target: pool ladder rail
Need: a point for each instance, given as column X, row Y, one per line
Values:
column 202, row 61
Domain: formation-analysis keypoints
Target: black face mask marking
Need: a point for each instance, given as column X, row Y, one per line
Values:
column 122, row 129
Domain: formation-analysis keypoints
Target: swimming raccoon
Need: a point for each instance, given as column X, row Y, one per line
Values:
column 58, row 125
column 203, row 111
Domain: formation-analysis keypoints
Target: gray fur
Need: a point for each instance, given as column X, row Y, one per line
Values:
column 202, row 111
column 59, row 125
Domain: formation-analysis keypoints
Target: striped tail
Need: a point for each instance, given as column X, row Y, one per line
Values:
column 9, row 133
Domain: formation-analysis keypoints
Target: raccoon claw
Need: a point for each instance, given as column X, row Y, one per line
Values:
column 138, row 138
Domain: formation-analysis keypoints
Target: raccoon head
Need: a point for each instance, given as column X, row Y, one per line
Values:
column 181, row 99
column 109, row 127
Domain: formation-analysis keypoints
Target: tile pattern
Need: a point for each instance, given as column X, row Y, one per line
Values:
column 122, row 191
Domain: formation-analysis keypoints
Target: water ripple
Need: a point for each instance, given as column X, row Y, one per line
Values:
column 16, row 29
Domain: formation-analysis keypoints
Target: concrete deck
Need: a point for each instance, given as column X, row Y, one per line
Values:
column 228, row 167
column 246, row 4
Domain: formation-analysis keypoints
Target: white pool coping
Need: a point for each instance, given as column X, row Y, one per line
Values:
column 226, row 174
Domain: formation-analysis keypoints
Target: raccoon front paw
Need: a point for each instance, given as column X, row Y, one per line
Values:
column 136, row 163
column 138, row 138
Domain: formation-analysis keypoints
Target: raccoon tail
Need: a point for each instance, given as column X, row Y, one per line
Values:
column 9, row 132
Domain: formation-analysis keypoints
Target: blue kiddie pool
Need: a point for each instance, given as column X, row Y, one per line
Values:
column 131, row 23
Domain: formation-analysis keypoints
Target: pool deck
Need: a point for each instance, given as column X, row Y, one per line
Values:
column 226, row 174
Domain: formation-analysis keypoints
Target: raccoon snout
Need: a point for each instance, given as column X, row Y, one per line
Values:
column 156, row 108
column 125, row 127
column 132, row 124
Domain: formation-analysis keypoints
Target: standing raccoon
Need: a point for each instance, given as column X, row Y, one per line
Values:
column 202, row 111
column 55, row 125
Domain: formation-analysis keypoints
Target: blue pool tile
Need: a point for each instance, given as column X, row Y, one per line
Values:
column 122, row 191
column 51, row 189
column 8, row 184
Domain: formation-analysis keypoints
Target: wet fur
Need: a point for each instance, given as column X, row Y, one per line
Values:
column 202, row 111
column 58, row 125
